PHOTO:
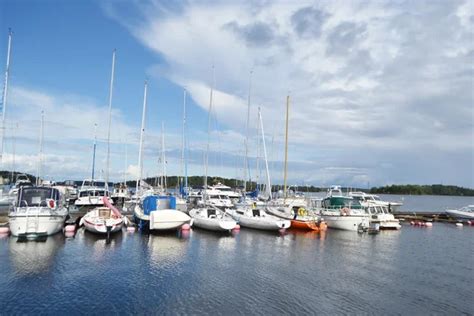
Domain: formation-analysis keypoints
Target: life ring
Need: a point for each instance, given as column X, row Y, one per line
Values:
column 345, row 211
column 302, row 212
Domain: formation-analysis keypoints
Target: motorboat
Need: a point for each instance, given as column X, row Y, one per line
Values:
column 226, row 191
column 92, row 193
column 343, row 212
column 366, row 200
column 121, row 193
column 466, row 212
column 158, row 212
column 38, row 211
column 104, row 219
column 257, row 218
column 380, row 215
column 212, row 218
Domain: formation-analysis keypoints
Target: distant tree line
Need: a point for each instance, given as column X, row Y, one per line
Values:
column 434, row 189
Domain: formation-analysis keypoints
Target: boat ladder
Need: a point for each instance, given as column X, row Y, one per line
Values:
column 31, row 224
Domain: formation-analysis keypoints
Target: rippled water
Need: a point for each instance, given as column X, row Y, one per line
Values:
column 412, row 271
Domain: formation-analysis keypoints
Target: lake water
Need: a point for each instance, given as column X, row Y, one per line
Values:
column 411, row 271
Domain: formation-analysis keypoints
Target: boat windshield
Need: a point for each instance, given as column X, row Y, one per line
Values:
column 469, row 208
column 35, row 196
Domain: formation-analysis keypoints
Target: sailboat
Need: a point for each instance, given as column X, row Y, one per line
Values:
column 257, row 218
column 93, row 190
column 207, row 216
column 104, row 219
column 155, row 212
column 293, row 209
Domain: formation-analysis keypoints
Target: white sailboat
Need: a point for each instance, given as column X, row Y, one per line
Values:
column 206, row 216
column 257, row 218
column 104, row 219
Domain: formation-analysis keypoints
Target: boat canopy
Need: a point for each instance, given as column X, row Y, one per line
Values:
column 337, row 202
column 36, row 196
column 158, row 202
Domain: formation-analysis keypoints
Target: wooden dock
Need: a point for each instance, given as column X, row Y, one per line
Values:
column 425, row 216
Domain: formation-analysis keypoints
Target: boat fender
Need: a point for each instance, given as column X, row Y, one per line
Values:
column 459, row 224
column 412, row 223
column 4, row 230
column 302, row 212
column 51, row 203
column 236, row 227
column 185, row 227
column 470, row 222
column 70, row 228
column 429, row 224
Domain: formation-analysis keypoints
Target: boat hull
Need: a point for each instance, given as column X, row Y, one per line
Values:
column 263, row 223
column 349, row 222
column 304, row 225
column 219, row 224
column 460, row 214
column 167, row 219
column 34, row 226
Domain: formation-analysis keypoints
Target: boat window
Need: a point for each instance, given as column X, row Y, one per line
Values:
column 37, row 196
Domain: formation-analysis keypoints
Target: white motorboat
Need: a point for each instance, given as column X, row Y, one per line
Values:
column 212, row 218
column 380, row 215
column 258, row 219
column 159, row 213
column 343, row 212
column 38, row 211
column 92, row 193
column 466, row 212
column 103, row 220
column 366, row 200
column 225, row 190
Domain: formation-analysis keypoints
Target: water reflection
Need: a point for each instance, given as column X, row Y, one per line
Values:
column 98, row 243
column 166, row 249
column 34, row 257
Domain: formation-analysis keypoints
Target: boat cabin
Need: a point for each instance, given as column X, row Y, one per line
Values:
column 37, row 196
column 158, row 202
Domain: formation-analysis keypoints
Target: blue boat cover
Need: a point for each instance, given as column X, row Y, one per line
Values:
column 150, row 203
column 253, row 194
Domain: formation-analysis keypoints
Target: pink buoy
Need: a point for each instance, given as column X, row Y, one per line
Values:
column 282, row 230
column 131, row 229
column 429, row 224
column 70, row 228
column 186, row 227
column 470, row 222
column 4, row 230
column 237, row 227
column 412, row 223
column 69, row 234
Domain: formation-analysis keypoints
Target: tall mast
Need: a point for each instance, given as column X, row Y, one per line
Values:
column 184, row 164
column 142, row 132
column 208, row 131
column 5, row 94
column 246, row 159
column 268, row 186
column 286, row 144
column 93, row 151
column 40, row 151
column 14, row 151
column 163, row 159
column 111, row 88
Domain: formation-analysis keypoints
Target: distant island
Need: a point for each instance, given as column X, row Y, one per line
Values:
column 197, row 181
column 434, row 189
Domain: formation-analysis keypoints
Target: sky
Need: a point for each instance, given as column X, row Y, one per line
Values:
column 381, row 92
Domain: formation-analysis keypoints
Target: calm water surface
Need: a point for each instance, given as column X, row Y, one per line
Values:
column 412, row 271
